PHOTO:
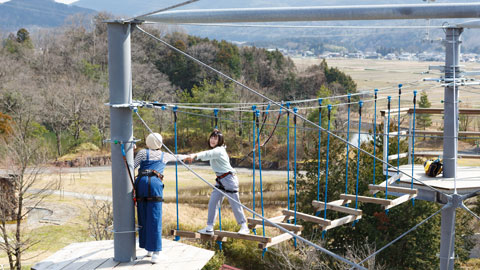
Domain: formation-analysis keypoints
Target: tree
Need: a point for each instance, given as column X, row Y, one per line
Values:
column 5, row 124
column 424, row 120
column 417, row 250
column 21, row 152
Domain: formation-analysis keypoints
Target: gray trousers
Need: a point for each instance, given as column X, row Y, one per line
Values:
column 230, row 182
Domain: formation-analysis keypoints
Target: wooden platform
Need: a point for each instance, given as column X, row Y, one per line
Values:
column 468, row 179
column 99, row 255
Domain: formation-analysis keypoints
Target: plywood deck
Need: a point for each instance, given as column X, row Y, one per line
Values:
column 468, row 179
column 99, row 255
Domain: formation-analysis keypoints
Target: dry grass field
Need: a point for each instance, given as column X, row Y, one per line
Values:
column 372, row 74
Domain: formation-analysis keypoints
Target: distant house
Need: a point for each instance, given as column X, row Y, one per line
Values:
column 7, row 197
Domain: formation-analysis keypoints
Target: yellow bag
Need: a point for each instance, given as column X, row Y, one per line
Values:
column 433, row 167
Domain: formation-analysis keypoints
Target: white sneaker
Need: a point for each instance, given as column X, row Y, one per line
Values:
column 206, row 230
column 158, row 256
column 149, row 254
column 244, row 229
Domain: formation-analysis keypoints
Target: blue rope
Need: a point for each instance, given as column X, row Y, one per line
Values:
column 254, row 135
column 374, row 137
column 215, row 112
column 295, row 110
column 348, row 138
column 176, row 166
column 288, row 156
column 398, row 129
column 388, row 139
column 260, row 173
column 360, row 104
column 326, row 167
column 319, row 144
column 413, row 137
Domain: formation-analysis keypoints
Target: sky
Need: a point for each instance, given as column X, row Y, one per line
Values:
column 59, row 1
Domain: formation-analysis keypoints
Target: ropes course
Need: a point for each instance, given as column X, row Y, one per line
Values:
column 341, row 205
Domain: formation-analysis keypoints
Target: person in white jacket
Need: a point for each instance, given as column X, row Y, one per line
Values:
column 227, row 181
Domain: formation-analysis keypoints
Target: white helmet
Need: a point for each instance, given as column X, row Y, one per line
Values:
column 154, row 141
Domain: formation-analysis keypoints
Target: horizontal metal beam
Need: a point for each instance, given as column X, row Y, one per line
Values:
column 324, row 13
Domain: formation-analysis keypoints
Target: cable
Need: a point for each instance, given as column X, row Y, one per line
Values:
column 288, row 155
column 164, row 9
column 319, row 145
column 398, row 238
column 388, row 144
column 255, row 121
column 413, row 137
column 326, row 251
column 274, row 102
column 257, row 113
column 348, row 138
column 398, row 127
column 295, row 110
column 360, row 103
column 176, row 168
column 375, row 137
column 326, row 168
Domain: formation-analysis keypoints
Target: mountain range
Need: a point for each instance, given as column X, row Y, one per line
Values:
column 15, row 14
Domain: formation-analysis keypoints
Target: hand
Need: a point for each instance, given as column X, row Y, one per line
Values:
column 189, row 159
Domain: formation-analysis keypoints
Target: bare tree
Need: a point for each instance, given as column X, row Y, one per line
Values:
column 22, row 155
column 308, row 258
column 100, row 219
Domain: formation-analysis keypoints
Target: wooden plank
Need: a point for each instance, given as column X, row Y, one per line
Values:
column 253, row 222
column 393, row 189
column 278, row 219
column 395, row 156
column 307, row 217
column 402, row 132
column 460, row 133
column 249, row 237
column 436, row 154
column 277, row 240
column 401, row 200
column 337, row 202
column 440, row 111
column 390, row 181
column 341, row 221
column 366, row 199
column 197, row 235
column 336, row 207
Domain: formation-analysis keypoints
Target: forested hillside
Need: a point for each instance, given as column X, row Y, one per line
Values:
column 55, row 87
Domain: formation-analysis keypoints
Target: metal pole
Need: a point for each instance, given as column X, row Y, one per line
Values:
column 316, row 13
column 450, row 122
column 450, row 133
column 121, row 128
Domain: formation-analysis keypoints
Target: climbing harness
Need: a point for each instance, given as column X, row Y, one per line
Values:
column 221, row 186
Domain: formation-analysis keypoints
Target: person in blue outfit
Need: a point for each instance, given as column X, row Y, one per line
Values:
column 227, row 181
column 149, row 194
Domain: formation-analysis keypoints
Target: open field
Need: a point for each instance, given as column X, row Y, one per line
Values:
column 372, row 74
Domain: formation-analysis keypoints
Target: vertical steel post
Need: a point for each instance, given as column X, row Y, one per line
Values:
column 450, row 133
column 121, row 128
column 450, row 122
